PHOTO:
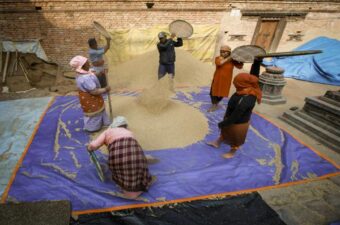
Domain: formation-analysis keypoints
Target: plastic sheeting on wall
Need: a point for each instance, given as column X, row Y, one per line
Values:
column 128, row 43
column 25, row 47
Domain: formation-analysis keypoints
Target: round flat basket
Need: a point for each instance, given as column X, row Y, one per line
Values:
column 101, row 29
column 247, row 53
column 70, row 74
column 181, row 28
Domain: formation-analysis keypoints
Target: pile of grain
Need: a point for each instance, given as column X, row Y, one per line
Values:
column 157, row 121
column 175, row 126
column 141, row 72
column 156, row 98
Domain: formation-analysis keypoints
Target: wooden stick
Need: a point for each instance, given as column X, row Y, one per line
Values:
column 0, row 56
column 12, row 64
column 108, row 95
column 24, row 70
column 292, row 53
column 16, row 60
column 5, row 69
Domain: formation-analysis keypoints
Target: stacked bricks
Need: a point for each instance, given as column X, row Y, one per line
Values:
column 64, row 27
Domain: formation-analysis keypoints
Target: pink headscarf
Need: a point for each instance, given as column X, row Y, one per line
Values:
column 77, row 63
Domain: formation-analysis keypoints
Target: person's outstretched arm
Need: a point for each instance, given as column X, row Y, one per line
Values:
column 163, row 47
column 255, row 67
column 98, row 142
column 179, row 42
column 238, row 65
column 108, row 44
column 99, row 91
column 219, row 61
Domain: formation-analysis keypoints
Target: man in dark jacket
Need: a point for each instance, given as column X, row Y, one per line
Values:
column 167, row 55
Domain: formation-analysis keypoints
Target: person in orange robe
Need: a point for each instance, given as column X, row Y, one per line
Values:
column 222, row 77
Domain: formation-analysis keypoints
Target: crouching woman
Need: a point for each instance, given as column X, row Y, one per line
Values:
column 127, row 161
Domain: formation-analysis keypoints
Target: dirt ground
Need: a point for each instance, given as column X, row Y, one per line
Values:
column 19, row 88
column 315, row 202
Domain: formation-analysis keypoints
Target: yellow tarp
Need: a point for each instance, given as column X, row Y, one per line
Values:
column 128, row 43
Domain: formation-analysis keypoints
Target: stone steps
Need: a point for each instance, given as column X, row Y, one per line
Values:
column 312, row 129
column 325, row 106
column 330, row 101
column 335, row 95
column 319, row 121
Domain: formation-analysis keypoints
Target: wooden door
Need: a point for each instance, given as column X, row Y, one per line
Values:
column 266, row 33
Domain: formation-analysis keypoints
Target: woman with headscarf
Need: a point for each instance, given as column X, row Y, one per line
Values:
column 223, row 75
column 235, row 125
column 127, row 161
column 90, row 95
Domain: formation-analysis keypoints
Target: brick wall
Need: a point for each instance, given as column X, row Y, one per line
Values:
column 290, row 5
column 65, row 26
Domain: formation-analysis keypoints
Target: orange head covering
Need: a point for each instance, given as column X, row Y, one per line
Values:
column 247, row 84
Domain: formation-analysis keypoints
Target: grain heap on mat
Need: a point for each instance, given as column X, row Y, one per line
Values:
column 156, row 98
column 141, row 72
column 161, row 123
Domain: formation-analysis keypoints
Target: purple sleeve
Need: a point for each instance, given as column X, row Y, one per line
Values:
column 86, row 83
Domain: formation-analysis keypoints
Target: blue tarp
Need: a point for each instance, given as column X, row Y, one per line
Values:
column 17, row 122
column 319, row 68
column 57, row 165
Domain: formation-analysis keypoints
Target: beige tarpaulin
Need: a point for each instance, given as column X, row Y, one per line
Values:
column 25, row 47
column 128, row 43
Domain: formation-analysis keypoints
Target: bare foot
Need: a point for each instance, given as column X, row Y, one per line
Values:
column 151, row 160
column 129, row 195
column 212, row 108
column 214, row 144
column 229, row 154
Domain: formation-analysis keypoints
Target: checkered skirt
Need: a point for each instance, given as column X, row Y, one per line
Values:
column 128, row 165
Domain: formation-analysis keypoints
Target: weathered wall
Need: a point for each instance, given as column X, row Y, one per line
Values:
column 322, row 19
column 65, row 26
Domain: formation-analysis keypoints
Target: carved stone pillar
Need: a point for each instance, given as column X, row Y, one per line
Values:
column 272, row 82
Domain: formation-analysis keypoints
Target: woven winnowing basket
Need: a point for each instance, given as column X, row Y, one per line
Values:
column 101, row 29
column 247, row 53
column 181, row 28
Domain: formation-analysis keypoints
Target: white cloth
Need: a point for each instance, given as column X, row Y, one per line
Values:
column 118, row 121
column 25, row 47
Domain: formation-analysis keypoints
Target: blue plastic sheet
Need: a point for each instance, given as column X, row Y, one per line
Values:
column 57, row 165
column 319, row 68
column 18, row 119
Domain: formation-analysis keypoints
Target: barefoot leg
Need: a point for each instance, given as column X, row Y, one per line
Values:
column 231, row 153
column 216, row 143
column 212, row 108
column 129, row 194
